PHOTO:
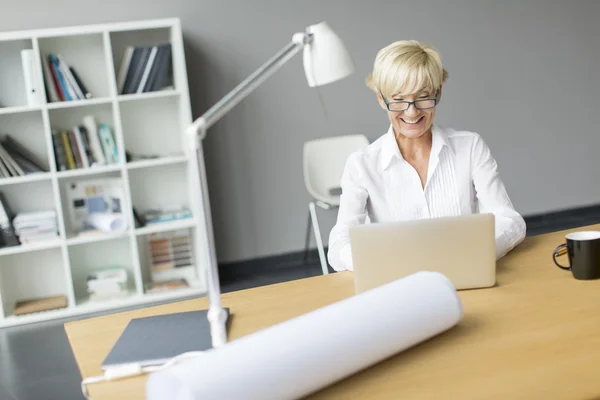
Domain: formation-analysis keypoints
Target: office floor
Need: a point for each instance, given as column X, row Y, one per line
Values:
column 36, row 362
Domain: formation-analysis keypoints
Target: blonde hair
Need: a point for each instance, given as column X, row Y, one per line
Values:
column 406, row 66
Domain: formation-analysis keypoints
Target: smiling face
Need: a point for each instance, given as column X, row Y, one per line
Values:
column 408, row 71
column 415, row 121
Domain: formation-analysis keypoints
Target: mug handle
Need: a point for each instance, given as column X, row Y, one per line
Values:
column 559, row 251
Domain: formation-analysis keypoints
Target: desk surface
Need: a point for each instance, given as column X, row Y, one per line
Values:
column 535, row 335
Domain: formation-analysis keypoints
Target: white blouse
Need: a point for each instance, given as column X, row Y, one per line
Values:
column 378, row 185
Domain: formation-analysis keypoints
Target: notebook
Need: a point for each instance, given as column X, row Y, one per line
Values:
column 154, row 340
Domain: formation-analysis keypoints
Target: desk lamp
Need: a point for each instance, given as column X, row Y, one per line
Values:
column 326, row 60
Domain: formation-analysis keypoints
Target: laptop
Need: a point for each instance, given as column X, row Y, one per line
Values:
column 462, row 248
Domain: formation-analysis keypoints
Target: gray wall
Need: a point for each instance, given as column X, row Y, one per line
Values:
column 524, row 74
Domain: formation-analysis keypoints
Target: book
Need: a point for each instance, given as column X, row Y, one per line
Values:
column 147, row 69
column 108, row 144
column 55, row 81
column 14, row 147
column 50, row 83
column 162, row 69
column 144, row 68
column 14, row 168
column 86, row 93
column 81, row 150
column 62, row 82
column 124, row 67
column 156, row 339
column 75, row 90
column 29, row 306
column 91, row 127
column 67, row 148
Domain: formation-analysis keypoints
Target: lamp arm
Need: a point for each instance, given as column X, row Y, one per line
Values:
column 196, row 132
column 231, row 99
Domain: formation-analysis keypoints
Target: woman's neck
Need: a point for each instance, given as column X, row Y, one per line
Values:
column 414, row 149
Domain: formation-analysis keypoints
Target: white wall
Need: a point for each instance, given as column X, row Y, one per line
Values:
column 522, row 73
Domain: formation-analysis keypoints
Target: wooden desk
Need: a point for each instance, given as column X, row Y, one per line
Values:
column 534, row 336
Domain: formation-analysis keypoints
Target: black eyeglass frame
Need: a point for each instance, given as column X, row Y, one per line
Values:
column 408, row 103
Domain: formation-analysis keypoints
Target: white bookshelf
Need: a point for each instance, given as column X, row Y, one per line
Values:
column 142, row 123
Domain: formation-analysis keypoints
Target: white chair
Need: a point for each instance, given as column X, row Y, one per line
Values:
column 323, row 164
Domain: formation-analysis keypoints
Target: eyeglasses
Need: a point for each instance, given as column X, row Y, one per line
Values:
column 421, row 104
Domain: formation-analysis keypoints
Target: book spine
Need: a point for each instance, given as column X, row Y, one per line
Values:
column 147, row 69
column 108, row 143
column 79, row 82
column 61, row 80
column 59, row 152
column 124, row 68
column 85, row 163
column 74, row 149
column 76, row 92
column 65, row 141
column 50, row 84
column 90, row 125
column 59, row 92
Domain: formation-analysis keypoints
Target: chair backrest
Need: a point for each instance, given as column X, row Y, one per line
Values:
column 323, row 164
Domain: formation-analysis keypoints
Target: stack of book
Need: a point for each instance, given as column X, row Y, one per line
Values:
column 164, row 214
column 107, row 283
column 144, row 69
column 34, row 227
column 171, row 260
column 84, row 146
column 62, row 81
column 16, row 159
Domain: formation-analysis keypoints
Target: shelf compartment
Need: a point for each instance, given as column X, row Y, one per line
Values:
column 12, row 80
column 89, row 257
column 83, row 194
column 85, row 54
column 124, row 43
column 168, row 256
column 161, row 187
column 152, row 127
column 30, row 196
column 65, row 120
column 31, row 275
column 27, row 129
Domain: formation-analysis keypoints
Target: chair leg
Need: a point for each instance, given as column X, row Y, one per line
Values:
column 307, row 240
column 315, row 223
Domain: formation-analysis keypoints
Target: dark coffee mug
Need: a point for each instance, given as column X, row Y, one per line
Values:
column 583, row 249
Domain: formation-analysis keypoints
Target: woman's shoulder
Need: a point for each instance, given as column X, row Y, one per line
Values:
column 369, row 153
column 462, row 140
column 459, row 134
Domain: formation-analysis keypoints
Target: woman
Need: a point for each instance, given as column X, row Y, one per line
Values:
column 418, row 169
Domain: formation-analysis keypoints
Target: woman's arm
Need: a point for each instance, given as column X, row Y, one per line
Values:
column 352, row 211
column 493, row 198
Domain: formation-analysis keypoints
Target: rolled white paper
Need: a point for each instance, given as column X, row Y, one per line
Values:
column 107, row 222
column 307, row 353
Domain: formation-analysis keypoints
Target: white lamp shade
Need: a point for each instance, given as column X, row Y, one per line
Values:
column 326, row 59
